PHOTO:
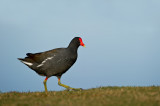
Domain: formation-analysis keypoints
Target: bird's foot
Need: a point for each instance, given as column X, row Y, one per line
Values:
column 74, row 89
column 68, row 88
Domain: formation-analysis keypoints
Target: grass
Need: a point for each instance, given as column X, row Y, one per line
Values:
column 103, row 96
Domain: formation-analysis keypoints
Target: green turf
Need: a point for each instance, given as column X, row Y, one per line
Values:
column 103, row 96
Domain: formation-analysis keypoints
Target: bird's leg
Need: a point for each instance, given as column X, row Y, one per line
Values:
column 67, row 87
column 44, row 82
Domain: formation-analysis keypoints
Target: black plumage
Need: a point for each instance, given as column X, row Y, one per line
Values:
column 54, row 62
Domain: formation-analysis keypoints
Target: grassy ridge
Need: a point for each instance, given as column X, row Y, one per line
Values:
column 112, row 96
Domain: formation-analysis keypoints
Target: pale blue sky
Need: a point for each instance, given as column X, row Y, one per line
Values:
column 122, row 41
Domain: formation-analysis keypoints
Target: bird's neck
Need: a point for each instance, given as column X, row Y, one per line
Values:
column 73, row 47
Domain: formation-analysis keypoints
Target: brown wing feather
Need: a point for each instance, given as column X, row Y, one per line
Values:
column 39, row 57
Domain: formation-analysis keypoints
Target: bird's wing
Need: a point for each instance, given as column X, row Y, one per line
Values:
column 39, row 57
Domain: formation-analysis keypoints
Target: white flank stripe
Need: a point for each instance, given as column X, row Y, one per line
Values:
column 27, row 63
column 49, row 58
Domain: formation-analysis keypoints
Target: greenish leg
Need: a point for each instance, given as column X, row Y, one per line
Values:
column 68, row 87
column 45, row 86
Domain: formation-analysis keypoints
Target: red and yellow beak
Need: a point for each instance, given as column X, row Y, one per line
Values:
column 81, row 42
column 83, row 45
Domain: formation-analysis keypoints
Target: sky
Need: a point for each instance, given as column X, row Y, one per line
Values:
column 122, row 41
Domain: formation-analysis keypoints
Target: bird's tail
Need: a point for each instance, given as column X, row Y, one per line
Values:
column 25, row 61
column 20, row 59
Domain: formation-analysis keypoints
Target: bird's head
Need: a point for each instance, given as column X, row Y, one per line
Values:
column 76, row 42
column 81, row 42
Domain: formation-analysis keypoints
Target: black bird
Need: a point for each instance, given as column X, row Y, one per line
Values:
column 54, row 62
